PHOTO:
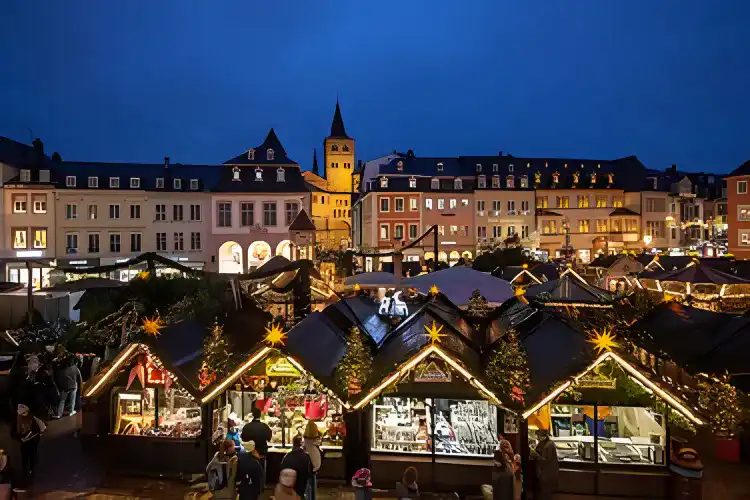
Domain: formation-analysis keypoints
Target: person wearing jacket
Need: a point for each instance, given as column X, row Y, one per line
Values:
column 249, row 473
column 299, row 462
column 547, row 467
column 228, row 455
column 285, row 487
column 28, row 430
column 311, row 445
column 68, row 379
column 260, row 434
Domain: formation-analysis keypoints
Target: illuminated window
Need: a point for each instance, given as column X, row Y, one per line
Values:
column 583, row 201
column 541, row 202
column 384, row 228
column 258, row 174
column 452, row 203
column 428, row 203
column 524, row 181
column 583, row 226
column 510, row 182
column 412, row 182
column 19, row 238
column 482, row 181
column 384, row 182
column 496, row 181
column 617, row 201
column 601, row 200
column 562, row 202
column 435, row 183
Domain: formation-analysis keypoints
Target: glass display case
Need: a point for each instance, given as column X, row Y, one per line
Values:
column 155, row 411
column 461, row 427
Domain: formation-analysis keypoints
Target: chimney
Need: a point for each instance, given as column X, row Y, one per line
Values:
column 166, row 162
column 673, row 169
column 38, row 145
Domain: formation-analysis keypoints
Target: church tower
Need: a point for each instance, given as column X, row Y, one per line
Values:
column 339, row 156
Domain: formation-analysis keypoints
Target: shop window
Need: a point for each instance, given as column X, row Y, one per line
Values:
column 631, row 435
column 137, row 411
column 462, row 427
column 287, row 400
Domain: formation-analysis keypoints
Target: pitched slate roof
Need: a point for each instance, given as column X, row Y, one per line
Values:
column 743, row 169
column 19, row 155
column 260, row 157
column 337, row 125
column 302, row 222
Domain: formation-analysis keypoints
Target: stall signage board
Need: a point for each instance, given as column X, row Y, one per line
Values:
column 596, row 382
column 280, row 367
column 431, row 372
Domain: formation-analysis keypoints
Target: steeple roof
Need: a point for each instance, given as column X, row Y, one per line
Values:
column 337, row 126
column 315, row 162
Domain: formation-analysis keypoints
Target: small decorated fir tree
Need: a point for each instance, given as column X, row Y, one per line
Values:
column 478, row 305
column 355, row 366
column 216, row 353
column 508, row 369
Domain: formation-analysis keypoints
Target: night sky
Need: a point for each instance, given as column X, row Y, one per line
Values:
column 668, row 81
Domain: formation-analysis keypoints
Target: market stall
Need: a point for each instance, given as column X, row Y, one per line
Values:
column 143, row 411
column 570, row 290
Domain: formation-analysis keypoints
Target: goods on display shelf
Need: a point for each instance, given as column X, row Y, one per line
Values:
column 136, row 413
column 462, row 427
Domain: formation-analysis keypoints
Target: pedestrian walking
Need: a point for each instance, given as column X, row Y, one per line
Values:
column 221, row 472
column 28, row 430
column 67, row 379
column 547, row 467
column 249, row 473
column 311, row 445
column 300, row 462
column 260, row 434
column 285, row 489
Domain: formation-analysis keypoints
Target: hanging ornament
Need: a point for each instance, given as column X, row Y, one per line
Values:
column 205, row 376
column 143, row 275
column 603, row 340
column 151, row 326
column 433, row 333
column 139, row 370
column 434, row 290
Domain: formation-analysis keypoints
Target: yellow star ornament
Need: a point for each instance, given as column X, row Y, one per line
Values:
column 433, row 333
column 603, row 341
column 274, row 335
column 143, row 275
column 434, row 290
column 152, row 325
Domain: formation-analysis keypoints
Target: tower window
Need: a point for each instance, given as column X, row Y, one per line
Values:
column 345, row 148
column 270, row 155
column 335, row 147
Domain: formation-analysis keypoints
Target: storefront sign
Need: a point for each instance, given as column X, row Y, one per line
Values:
column 432, row 371
column 596, row 382
column 280, row 367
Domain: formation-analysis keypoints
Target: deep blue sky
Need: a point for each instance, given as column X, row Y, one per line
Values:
column 200, row 82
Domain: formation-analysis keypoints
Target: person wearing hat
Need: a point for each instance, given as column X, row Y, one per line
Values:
column 547, row 468
column 233, row 424
column 249, row 473
column 362, row 484
column 311, row 444
column 28, row 430
column 300, row 462
column 285, row 488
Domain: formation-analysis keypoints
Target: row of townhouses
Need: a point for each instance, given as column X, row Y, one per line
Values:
column 552, row 205
column 233, row 216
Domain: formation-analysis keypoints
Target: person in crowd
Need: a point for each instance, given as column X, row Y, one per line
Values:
column 233, row 424
column 249, row 473
column 547, row 468
column 68, row 379
column 518, row 473
column 408, row 488
column 259, row 433
column 362, row 484
column 222, row 472
column 28, row 430
column 300, row 462
column 311, row 445
column 285, row 488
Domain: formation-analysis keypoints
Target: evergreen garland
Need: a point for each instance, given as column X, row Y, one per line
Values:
column 508, row 369
column 355, row 367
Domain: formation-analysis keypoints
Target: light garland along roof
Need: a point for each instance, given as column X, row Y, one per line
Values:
column 637, row 375
column 570, row 289
column 693, row 274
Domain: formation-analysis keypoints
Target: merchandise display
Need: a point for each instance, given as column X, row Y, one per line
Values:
column 619, row 435
column 462, row 427
column 135, row 413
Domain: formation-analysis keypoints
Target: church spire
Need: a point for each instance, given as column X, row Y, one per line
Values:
column 337, row 126
column 315, row 162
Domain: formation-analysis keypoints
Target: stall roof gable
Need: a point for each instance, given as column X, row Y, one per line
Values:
column 569, row 288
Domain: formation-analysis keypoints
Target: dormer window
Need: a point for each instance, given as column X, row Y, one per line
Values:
column 435, row 183
column 25, row 175
column 400, row 166
column 510, row 168
column 114, row 182
column 440, row 166
column 593, row 179
column 384, row 182
column 177, row 184
column 258, row 174
column 193, row 184
column 510, row 182
column 70, row 181
column 610, row 178
column 334, row 147
column 496, row 181
column 135, row 182
column 458, row 184
column 555, row 177
column 250, row 154
column 495, row 167
column 345, row 148
column 482, row 181
column 280, row 175
column 412, row 182
column 236, row 174
column 160, row 183
column 524, row 181
column 270, row 155
column 479, row 167
column 44, row 175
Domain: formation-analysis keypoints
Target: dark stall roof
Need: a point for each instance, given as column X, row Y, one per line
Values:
column 604, row 261
column 180, row 348
column 720, row 263
column 302, row 222
column 85, row 284
column 698, row 274
column 374, row 279
column 458, row 283
column 669, row 262
column 245, row 328
column 518, row 275
column 569, row 288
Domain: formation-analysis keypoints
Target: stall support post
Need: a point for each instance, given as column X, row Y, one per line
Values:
column 525, row 453
column 156, row 408
column 435, row 248
column 432, row 447
column 596, row 448
column 30, row 291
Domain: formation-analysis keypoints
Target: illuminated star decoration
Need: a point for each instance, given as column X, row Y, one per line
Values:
column 357, row 287
column 274, row 335
column 433, row 333
column 152, row 325
column 143, row 275
column 603, row 341
column 434, row 290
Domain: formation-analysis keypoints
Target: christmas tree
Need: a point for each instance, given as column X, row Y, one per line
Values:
column 216, row 353
column 355, row 367
column 508, row 369
column 478, row 305
column 722, row 402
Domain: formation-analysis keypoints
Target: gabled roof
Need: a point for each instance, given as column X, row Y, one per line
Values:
column 604, row 261
column 668, row 262
column 569, row 288
column 337, row 125
column 697, row 274
column 302, row 222
column 19, row 155
column 743, row 169
column 260, row 156
column 458, row 283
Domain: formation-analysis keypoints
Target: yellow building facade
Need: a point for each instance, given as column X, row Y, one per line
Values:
column 332, row 193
